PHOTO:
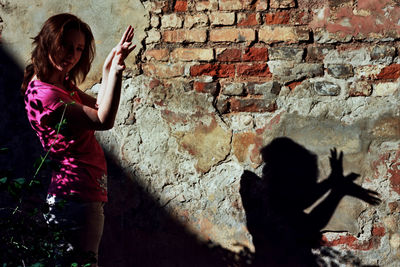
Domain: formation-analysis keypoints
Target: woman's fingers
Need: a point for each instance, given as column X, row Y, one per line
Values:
column 128, row 35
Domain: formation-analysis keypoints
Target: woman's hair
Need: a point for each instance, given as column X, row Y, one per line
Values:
column 50, row 41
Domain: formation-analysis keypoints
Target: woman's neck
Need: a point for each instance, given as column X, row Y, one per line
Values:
column 58, row 79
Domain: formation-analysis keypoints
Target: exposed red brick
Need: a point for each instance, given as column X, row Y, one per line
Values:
column 395, row 177
column 280, row 17
column 203, row 87
column 246, row 146
column 154, row 83
column 226, row 70
column 253, row 70
column 256, row 54
column 348, row 240
column 204, row 69
column 378, row 230
column 293, row 85
column 180, row 6
column 390, row 72
column 249, row 20
column 219, row 70
column 231, row 55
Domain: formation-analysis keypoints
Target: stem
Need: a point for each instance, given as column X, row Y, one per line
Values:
column 48, row 151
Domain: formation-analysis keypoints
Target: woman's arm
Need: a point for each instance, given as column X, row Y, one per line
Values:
column 87, row 116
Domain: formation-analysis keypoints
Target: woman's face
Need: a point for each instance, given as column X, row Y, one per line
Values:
column 70, row 52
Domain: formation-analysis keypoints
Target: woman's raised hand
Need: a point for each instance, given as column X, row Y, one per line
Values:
column 117, row 56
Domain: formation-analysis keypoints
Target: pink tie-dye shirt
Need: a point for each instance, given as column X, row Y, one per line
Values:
column 81, row 171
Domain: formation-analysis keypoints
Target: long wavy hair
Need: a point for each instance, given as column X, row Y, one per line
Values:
column 49, row 42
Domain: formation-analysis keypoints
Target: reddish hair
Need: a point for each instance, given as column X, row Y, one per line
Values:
column 50, row 40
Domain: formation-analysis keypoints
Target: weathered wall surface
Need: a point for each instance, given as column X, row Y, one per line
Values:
column 217, row 80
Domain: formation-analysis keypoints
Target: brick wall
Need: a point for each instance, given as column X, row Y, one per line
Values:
column 316, row 71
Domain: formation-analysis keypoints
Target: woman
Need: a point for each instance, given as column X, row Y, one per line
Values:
column 62, row 56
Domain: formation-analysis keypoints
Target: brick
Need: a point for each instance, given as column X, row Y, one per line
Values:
column 385, row 89
column 390, row 72
column 337, row 3
column 256, row 54
column 261, row 5
column 171, row 21
column 267, row 88
column 282, row 3
column 163, row 70
column 340, row 70
column 246, row 147
column 292, row 85
column 350, row 241
column 273, row 34
column 180, row 36
column 248, row 19
column 259, row 70
column 325, row 88
column 222, row 18
column 230, row 4
column 286, row 53
column 155, row 21
column 197, row 20
column 360, row 88
column 252, row 105
column 154, row 83
column 383, row 54
column 317, row 53
column 229, row 54
column 180, row 6
column 323, row 36
column 203, row 87
column 191, row 54
column 157, row 54
column 280, row 17
column 157, row 6
column 222, row 104
column 219, row 70
column 229, row 88
column 232, row 35
column 206, row 5
column 153, row 36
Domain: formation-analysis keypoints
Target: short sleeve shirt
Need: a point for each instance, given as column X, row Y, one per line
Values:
column 81, row 170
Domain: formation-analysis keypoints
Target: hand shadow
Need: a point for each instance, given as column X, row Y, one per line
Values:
column 283, row 234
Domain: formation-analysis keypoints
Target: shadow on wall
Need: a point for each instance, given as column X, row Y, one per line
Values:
column 283, row 234
column 15, row 132
column 139, row 232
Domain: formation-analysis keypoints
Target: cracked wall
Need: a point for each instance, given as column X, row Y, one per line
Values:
column 214, row 81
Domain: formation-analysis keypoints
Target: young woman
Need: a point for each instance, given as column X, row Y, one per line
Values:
column 62, row 56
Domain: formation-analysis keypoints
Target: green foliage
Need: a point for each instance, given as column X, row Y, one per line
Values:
column 25, row 237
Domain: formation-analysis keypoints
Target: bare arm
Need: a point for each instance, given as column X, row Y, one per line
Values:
column 86, row 115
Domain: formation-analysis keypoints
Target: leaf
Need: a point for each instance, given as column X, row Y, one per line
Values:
column 4, row 150
column 20, row 181
column 3, row 180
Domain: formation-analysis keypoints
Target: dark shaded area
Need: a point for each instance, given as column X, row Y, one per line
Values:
column 138, row 232
column 283, row 234
column 15, row 132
